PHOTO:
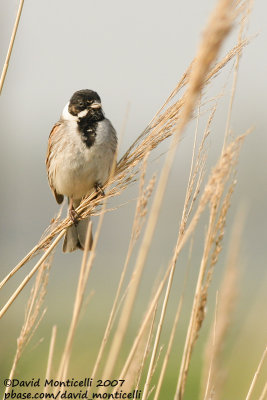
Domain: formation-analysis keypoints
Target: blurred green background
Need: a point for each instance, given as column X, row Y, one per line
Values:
column 130, row 53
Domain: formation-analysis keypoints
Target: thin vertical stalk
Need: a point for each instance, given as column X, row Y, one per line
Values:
column 10, row 48
column 50, row 355
column 256, row 374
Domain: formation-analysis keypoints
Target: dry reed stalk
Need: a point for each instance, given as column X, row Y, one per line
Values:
column 32, row 315
column 195, row 176
column 156, row 364
column 133, row 376
column 227, row 295
column 19, row 265
column 54, row 223
column 196, row 168
column 161, row 127
column 31, row 273
column 210, row 396
column 146, row 351
column 254, row 380
column 168, row 352
column 140, row 213
column 145, row 322
column 173, row 331
column 243, row 24
column 263, row 395
column 50, row 356
column 10, row 48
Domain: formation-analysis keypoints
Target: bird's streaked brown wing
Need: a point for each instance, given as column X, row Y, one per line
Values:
column 59, row 197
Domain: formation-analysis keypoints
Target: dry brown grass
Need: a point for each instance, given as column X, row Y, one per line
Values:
column 214, row 372
column 33, row 314
column 206, row 192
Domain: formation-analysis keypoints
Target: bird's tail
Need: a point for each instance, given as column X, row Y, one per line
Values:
column 76, row 235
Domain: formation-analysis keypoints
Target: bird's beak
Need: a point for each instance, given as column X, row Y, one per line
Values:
column 95, row 105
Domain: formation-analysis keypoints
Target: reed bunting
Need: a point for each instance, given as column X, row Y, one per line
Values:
column 81, row 151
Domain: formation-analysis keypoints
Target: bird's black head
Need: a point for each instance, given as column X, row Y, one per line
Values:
column 85, row 103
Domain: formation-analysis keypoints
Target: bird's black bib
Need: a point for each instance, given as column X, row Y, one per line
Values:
column 88, row 126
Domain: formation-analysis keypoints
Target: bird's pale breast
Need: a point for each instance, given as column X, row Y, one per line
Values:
column 75, row 168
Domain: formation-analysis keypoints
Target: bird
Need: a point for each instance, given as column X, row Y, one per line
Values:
column 82, row 148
